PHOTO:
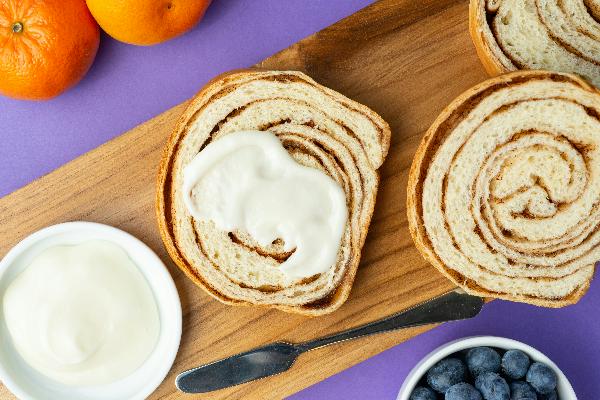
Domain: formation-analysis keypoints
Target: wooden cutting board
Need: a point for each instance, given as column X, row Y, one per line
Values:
column 405, row 59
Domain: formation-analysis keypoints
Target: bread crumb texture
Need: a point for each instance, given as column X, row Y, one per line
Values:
column 507, row 188
column 558, row 35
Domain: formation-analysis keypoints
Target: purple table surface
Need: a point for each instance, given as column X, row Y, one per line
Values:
column 128, row 85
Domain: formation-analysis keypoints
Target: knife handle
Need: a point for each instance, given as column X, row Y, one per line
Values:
column 451, row 306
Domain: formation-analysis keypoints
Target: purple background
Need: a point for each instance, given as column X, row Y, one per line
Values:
column 128, row 85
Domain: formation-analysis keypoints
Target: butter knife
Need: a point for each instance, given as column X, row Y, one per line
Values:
column 278, row 357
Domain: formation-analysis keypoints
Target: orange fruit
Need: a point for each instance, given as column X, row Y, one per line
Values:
column 46, row 46
column 147, row 22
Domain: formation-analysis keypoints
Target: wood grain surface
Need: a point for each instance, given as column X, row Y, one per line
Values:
column 405, row 59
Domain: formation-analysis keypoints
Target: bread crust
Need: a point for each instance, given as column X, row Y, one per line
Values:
column 477, row 19
column 324, row 306
column 418, row 172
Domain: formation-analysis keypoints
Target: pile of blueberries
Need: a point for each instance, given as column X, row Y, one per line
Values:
column 483, row 373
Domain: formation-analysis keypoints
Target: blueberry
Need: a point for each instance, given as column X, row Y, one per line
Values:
column 541, row 377
column 522, row 391
column 462, row 391
column 492, row 386
column 422, row 393
column 483, row 359
column 515, row 364
column 446, row 373
column 548, row 396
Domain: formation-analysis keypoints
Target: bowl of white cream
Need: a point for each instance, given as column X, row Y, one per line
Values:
column 87, row 312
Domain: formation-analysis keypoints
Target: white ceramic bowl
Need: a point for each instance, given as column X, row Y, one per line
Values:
column 565, row 391
column 26, row 383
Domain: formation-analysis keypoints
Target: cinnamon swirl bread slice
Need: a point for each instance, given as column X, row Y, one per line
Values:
column 504, row 191
column 558, row 35
column 319, row 128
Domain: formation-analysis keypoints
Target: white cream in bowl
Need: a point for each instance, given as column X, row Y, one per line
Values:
column 82, row 314
column 141, row 370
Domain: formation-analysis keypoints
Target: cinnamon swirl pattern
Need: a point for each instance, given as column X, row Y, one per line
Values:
column 558, row 35
column 321, row 129
column 504, row 192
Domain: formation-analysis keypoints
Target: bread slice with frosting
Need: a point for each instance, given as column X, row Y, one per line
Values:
column 538, row 34
column 504, row 190
column 320, row 128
